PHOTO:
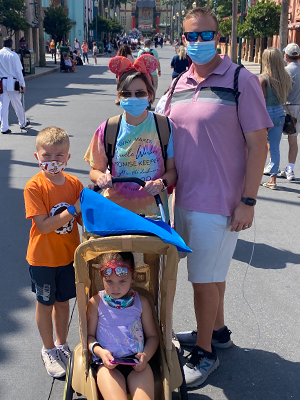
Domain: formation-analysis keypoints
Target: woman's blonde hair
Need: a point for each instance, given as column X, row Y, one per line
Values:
column 182, row 53
column 273, row 68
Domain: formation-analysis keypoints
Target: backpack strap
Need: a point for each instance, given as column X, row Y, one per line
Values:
column 110, row 138
column 236, row 91
column 163, row 129
column 175, row 83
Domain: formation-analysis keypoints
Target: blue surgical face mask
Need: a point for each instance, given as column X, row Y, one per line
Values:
column 201, row 52
column 134, row 106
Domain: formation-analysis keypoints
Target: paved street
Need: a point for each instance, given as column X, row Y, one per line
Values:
column 262, row 300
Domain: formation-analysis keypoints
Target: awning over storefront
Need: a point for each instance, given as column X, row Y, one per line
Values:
column 147, row 3
column 294, row 26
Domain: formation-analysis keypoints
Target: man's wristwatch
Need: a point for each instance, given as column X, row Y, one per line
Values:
column 249, row 201
column 72, row 211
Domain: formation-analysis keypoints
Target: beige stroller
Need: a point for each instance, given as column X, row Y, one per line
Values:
column 156, row 264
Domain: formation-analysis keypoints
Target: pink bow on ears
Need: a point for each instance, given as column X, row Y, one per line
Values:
column 145, row 64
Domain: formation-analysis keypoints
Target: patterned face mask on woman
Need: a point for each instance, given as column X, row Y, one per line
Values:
column 134, row 106
column 201, row 52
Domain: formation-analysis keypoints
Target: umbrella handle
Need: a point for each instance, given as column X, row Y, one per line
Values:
column 141, row 183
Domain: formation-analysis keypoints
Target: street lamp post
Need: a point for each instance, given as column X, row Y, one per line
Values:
column 173, row 30
column 239, row 60
column 178, row 34
column 96, row 4
column 183, row 14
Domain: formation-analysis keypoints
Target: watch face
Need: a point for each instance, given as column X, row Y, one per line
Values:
column 249, row 201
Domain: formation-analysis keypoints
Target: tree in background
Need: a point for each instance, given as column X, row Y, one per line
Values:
column 12, row 16
column 262, row 21
column 105, row 25
column 57, row 23
column 225, row 29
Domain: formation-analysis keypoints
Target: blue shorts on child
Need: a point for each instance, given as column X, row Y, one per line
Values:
column 52, row 284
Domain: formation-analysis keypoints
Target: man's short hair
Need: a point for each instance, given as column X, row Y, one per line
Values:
column 202, row 11
column 7, row 42
column 52, row 136
column 147, row 42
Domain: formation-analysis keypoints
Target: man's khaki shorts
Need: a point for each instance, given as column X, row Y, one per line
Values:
column 212, row 242
column 295, row 111
column 155, row 81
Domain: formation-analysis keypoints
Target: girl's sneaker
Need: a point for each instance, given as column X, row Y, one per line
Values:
column 53, row 363
column 64, row 352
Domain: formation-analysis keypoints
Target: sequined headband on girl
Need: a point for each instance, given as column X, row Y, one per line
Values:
column 145, row 64
column 119, row 267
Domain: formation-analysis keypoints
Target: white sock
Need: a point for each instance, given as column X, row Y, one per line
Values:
column 290, row 167
column 48, row 350
column 59, row 346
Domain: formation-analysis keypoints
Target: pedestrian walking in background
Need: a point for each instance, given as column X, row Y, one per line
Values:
column 180, row 62
column 147, row 50
column 219, row 156
column 47, row 46
column 95, row 52
column 13, row 85
column 125, row 51
column 52, row 48
column 276, row 84
column 76, row 46
column 85, row 48
column 292, row 56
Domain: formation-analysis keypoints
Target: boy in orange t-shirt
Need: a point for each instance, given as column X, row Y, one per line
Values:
column 52, row 202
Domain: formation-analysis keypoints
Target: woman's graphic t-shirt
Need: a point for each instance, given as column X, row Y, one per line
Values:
column 138, row 154
column 120, row 330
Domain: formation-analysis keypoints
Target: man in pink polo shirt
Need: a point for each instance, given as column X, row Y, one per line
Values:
column 220, row 152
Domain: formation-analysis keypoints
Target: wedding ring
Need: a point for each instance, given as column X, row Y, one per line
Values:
column 246, row 226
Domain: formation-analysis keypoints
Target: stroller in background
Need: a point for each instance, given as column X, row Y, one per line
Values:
column 156, row 263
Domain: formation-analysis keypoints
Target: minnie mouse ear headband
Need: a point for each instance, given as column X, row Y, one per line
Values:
column 145, row 64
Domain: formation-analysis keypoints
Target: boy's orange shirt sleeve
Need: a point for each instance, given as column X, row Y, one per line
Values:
column 34, row 204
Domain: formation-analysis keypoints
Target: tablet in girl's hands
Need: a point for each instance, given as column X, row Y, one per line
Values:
column 125, row 361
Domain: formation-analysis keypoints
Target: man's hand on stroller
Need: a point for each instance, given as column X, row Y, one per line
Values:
column 153, row 187
column 142, row 357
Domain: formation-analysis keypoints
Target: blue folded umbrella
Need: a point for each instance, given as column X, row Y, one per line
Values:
column 103, row 217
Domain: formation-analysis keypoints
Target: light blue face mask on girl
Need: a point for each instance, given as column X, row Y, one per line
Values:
column 201, row 52
column 134, row 106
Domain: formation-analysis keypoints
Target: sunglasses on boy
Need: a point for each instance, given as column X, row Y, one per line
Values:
column 205, row 36
column 138, row 94
column 118, row 267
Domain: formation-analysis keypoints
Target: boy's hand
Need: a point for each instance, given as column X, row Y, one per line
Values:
column 142, row 362
column 106, row 357
column 77, row 206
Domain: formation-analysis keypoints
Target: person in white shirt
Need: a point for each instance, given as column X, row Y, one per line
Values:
column 12, row 77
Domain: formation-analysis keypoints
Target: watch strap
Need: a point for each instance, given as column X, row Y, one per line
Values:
column 72, row 211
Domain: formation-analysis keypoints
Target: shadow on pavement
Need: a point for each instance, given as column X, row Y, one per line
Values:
column 252, row 375
column 265, row 256
column 14, row 272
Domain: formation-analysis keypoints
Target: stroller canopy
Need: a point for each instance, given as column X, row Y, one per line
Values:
column 103, row 217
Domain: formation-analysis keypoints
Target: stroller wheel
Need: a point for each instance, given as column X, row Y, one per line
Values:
column 182, row 390
column 68, row 391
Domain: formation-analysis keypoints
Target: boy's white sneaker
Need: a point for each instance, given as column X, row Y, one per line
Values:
column 53, row 363
column 64, row 352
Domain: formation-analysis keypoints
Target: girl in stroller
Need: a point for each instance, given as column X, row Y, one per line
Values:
column 118, row 321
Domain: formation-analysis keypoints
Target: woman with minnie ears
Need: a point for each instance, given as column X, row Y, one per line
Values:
column 118, row 321
column 138, row 150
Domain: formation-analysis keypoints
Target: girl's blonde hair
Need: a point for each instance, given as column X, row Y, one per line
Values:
column 273, row 68
column 181, row 53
